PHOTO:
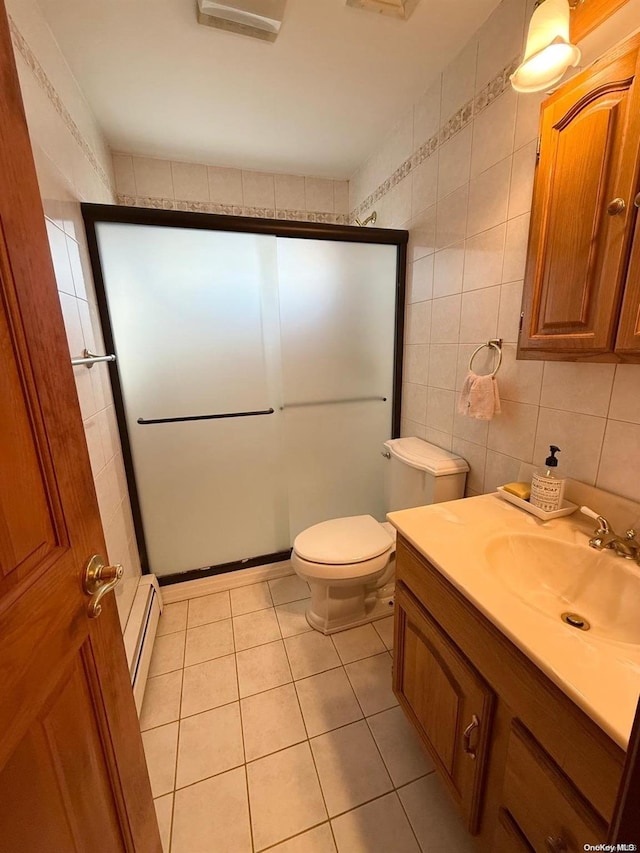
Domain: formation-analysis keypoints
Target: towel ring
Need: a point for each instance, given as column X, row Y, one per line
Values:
column 496, row 344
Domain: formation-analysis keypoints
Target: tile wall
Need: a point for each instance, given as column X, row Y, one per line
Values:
column 170, row 185
column 457, row 172
column 73, row 164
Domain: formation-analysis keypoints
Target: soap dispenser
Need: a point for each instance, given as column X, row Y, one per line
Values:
column 547, row 489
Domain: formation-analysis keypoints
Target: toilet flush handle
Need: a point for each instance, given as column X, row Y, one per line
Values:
column 386, row 454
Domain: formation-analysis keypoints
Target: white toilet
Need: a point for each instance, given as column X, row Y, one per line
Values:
column 349, row 563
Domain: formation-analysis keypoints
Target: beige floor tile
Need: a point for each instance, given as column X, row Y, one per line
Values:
column 209, row 608
column 164, row 814
column 209, row 685
column 318, row 840
column 206, row 642
column 213, row 816
column 160, row 746
column 210, row 743
column 255, row 629
column 401, row 750
column 384, row 627
column 174, row 618
column 378, row 827
column 327, row 701
column 284, row 794
column 168, row 653
column 434, row 819
column 291, row 588
column 358, row 643
column 262, row 668
column 371, row 680
column 350, row 768
column 161, row 700
column 248, row 599
column 311, row 653
column 292, row 619
column 271, row 721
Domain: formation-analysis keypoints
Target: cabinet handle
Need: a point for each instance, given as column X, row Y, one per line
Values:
column 555, row 845
column 637, row 200
column 466, row 736
column 616, row 207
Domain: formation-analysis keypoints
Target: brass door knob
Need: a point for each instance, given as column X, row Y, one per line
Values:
column 616, row 207
column 98, row 580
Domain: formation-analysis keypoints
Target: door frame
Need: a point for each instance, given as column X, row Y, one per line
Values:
column 97, row 213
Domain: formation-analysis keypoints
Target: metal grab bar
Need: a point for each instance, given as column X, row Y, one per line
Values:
column 90, row 358
column 333, row 402
column 145, row 421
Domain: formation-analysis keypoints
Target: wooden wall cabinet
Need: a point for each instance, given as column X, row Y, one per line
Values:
column 528, row 770
column 581, row 294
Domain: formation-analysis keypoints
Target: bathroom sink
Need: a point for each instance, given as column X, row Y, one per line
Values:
column 560, row 579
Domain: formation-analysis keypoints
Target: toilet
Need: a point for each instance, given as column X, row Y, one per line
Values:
column 349, row 563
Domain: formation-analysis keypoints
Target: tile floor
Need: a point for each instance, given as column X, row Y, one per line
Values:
column 261, row 734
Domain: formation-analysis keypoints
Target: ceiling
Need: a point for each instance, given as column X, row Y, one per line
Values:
column 317, row 102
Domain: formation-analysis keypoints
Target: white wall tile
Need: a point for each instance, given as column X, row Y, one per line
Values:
column 479, row 316
column 401, row 141
column 440, row 408
column 426, row 113
column 341, row 196
column 424, row 182
column 443, row 361
column 319, row 194
column 445, row 319
column 440, row 439
column 489, row 198
column 521, row 192
column 515, row 248
column 451, row 218
column 422, row 234
column 513, row 431
column 476, row 456
column 618, row 472
column 225, row 185
column 454, row 162
column 484, row 256
column 470, row 429
column 578, row 436
column 419, row 323
column 153, row 177
column 528, row 118
column 60, row 258
column 509, row 314
column 625, row 398
column 401, row 196
column 416, row 364
column 575, row 387
column 493, row 133
column 499, row 469
column 190, row 182
column 458, row 80
column 123, row 174
column 258, row 189
column 520, row 381
column 448, row 269
column 501, row 40
column 414, row 402
column 420, row 279
column 289, row 192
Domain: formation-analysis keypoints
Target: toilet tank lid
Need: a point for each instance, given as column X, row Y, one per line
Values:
column 343, row 540
column 427, row 457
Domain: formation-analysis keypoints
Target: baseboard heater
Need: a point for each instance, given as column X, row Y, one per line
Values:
column 140, row 634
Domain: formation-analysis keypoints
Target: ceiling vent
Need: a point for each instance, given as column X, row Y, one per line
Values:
column 259, row 19
column 395, row 8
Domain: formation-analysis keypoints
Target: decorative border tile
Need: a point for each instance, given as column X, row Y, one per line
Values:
column 459, row 120
column 233, row 209
column 21, row 45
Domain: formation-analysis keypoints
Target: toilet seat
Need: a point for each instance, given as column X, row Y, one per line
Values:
column 343, row 541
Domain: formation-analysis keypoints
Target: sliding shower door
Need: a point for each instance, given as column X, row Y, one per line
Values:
column 255, row 378
column 337, row 323
column 194, row 317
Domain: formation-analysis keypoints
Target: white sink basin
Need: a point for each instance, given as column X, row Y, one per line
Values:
column 557, row 577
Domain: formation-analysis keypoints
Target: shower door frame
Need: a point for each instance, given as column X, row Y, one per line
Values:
column 94, row 214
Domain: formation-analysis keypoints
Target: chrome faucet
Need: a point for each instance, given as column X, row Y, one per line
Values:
column 605, row 537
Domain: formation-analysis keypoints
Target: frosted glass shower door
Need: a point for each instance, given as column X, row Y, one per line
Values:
column 194, row 315
column 337, row 325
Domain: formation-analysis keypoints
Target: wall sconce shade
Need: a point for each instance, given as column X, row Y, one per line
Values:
column 549, row 52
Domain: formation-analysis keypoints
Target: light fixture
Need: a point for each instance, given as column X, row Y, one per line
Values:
column 259, row 19
column 549, row 52
column 395, row 8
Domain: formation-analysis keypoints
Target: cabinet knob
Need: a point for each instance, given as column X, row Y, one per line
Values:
column 637, row 200
column 466, row 736
column 617, row 206
column 555, row 845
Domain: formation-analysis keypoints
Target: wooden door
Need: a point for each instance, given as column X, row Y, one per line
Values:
column 628, row 342
column 72, row 769
column 446, row 700
column 582, row 214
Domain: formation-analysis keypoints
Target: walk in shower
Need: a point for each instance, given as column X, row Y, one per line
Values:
column 257, row 376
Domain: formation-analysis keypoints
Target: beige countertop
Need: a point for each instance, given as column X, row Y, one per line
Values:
column 601, row 676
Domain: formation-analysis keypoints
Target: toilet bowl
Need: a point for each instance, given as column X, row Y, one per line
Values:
column 349, row 563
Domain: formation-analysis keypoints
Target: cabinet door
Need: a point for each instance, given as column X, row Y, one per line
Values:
column 628, row 342
column 508, row 838
column 446, row 700
column 582, row 214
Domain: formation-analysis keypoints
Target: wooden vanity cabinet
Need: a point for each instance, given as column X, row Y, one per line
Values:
column 527, row 768
column 583, row 218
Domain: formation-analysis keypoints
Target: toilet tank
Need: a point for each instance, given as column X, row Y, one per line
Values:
column 419, row 473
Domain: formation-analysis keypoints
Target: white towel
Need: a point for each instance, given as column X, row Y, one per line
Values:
column 479, row 397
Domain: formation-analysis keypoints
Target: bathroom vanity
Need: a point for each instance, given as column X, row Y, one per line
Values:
column 526, row 718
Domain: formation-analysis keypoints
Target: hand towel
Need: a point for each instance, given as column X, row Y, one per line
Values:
column 479, row 397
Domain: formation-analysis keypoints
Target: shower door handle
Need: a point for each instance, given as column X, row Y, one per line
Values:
column 145, row 421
